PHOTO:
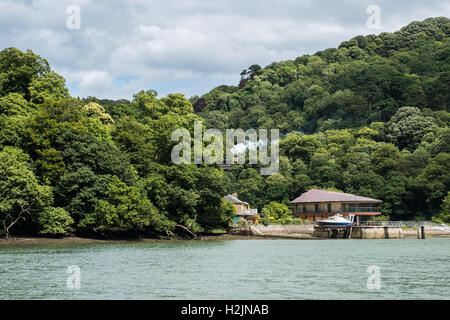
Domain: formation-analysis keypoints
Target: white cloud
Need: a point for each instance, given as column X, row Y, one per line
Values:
column 186, row 46
column 93, row 79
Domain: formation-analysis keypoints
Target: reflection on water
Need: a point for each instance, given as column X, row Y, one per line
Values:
column 238, row 269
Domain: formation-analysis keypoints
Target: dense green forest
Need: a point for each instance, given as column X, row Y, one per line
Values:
column 67, row 165
column 370, row 117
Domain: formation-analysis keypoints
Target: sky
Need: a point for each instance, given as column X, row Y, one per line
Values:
column 113, row 49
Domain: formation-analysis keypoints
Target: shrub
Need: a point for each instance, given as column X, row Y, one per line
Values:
column 382, row 218
column 276, row 210
column 54, row 221
column 124, row 209
column 444, row 216
column 296, row 221
column 193, row 226
column 242, row 222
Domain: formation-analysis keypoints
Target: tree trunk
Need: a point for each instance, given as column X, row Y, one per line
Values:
column 193, row 235
column 23, row 210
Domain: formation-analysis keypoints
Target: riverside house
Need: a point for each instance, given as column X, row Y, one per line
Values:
column 321, row 204
column 242, row 209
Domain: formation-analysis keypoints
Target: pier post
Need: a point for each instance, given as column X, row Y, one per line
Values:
column 420, row 231
column 334, row 233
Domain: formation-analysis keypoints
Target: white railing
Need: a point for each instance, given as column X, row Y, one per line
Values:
column 401, row 224
column 252, row 211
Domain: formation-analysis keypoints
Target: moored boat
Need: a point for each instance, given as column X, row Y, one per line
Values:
column 335, row 221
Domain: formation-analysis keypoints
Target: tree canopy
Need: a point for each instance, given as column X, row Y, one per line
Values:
column 370, row 117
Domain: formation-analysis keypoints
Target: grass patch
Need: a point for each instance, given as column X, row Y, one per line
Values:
column 217, row 231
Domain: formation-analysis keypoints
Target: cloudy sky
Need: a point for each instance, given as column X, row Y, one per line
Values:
column 187, row 46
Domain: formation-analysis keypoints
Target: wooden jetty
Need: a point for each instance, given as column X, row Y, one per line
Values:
column 334, row 231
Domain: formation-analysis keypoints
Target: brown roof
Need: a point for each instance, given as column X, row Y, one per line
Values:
column 315, row 195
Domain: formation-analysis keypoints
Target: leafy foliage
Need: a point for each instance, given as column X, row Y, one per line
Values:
column 276, row 210
column 123, row 209
column 55, row 221
column 21, row 195
column 444, row 216
column 366, row 79
column 370, row 117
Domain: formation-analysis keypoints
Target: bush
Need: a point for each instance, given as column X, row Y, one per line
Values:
column 124, row 209
column 285, row 221
column 193, row 225
column 382, row 218
column 276, row 210
column 444, row 216
column 55, row 221
column 242, row 222
column 306, row 221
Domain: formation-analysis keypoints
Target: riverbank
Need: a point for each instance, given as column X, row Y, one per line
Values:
column 51, row 241
column 25, row 241
column 406, row 233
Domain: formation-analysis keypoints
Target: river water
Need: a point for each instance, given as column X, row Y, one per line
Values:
column 233, row 269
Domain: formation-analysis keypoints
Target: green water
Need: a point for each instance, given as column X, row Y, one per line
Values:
column 238, row 269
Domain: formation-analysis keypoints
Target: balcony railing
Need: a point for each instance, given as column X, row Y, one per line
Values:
column 339, row 212
column 249, row 212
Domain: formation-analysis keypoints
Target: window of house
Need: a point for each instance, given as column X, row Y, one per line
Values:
column 304, row 209
column 316, row 208
column 329, row 208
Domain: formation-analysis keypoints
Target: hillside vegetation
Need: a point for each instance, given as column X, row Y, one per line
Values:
column 66, row 165
column 370, row 117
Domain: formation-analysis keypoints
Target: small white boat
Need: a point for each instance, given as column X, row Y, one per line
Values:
column 335, row 221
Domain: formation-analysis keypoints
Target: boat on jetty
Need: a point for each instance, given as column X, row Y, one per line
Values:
column 335, row 221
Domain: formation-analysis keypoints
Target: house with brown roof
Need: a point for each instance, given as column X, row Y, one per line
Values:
column 243, row 210
column 320, row 204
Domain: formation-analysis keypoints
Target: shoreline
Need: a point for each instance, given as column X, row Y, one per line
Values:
column 36, row 240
